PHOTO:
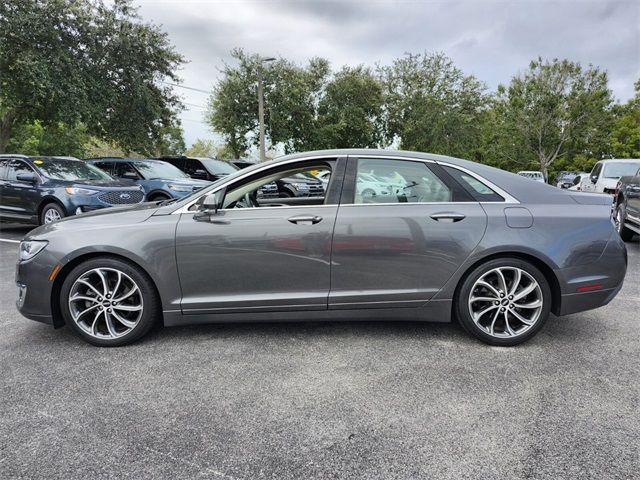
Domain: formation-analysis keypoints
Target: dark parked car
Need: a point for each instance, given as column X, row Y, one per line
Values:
column 44, row 189
column 627, row 206
column 160, row 180
column 457, row 240
column 201, row 167
column 243, row 163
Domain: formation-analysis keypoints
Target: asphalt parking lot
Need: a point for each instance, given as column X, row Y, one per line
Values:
column 322, row 400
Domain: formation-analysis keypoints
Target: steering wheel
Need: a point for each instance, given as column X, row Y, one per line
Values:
column 248, row 201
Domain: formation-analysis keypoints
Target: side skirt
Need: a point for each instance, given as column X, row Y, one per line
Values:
column 434, row 311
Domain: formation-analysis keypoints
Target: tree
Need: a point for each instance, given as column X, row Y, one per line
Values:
column 349, row 111
column 202, row 148
column 56, row 139
column 86, row 61
column 170, row 141
column 553, row 110
column 625, row 134
column 432, row 106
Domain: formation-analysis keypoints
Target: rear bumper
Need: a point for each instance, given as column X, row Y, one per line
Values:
column 602, row 279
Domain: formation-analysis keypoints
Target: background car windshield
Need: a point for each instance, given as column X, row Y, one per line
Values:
column 616, row 170
column 151, row 170
column 70, row 170
column 218, row 166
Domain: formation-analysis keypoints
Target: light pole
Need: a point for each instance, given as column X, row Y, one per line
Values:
column 263, row 155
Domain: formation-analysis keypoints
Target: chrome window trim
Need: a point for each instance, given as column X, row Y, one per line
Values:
column 508, row 199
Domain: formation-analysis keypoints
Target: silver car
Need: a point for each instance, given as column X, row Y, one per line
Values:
column 458, row 240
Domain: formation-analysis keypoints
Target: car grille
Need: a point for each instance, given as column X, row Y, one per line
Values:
column 316, row 190
column 122, row 197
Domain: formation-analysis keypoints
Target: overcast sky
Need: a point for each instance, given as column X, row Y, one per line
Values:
column 490, row 39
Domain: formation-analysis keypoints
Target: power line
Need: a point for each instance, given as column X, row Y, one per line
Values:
column 194, row 105
column 185, row 87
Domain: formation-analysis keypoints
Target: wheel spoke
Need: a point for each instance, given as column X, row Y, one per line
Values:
column 525, row 291
column 534, row 304
column 493, row 322
column 115, row 289
column 110, row 327
column 92, row 307
column 482, row 283
column 507, row 327
column 84, row 282
column 126, row 295
column 521, row 318
column 126, row 323
column 503, row 282
column 103, row 279
column 516, row 281
column 127, row 308
column 76, row 298
column 478, row 315
column 482, row 299
column 94, row 325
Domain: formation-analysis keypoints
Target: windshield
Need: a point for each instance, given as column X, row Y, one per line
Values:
column 69, row 170
column 151, row 170
column 218, row 166
column 622, row 169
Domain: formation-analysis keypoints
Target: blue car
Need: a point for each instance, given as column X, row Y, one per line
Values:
column 160, row 180
column 41, row 190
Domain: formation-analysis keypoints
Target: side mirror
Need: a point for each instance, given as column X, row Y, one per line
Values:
column 594, row 178
column 210, row 205
column 27, row 177
column 200, row 174
column 130, row 175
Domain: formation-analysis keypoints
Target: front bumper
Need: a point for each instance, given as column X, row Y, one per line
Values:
column 34, row 288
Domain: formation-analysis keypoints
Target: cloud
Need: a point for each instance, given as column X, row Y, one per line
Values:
column 491, row 39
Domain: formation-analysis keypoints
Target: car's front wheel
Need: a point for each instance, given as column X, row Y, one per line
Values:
column 109, row 302
column 51, row 212
column 504, row 301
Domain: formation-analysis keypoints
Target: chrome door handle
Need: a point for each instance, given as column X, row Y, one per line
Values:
column 448, row 217
column 305, row 219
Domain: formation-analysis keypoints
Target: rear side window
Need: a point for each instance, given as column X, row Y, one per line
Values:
column 472, row 185
column 398, row 181
column 3, row 169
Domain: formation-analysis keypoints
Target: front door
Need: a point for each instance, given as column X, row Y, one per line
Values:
column 400, row 239
column 19, row 198
column 258, row 254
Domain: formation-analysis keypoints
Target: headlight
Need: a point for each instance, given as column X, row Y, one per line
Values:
column 79, row 191
column 30, row 248
column 180, row 188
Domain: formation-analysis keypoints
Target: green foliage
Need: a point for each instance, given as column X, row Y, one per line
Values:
column 553, row 110
column 625, row 134
column 202, row 148
column 170, row 141
column 86, row 61
column 57, row 139
column 432, row 106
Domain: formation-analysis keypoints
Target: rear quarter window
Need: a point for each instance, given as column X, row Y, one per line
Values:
column 478, row 190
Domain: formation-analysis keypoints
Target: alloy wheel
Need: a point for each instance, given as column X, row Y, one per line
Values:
column 51, row 215
column 505, row 302
column 106, row 303
column 618, row 220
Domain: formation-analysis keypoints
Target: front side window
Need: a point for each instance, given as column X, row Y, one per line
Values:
column 398, row 181
column 153, row 169
column 16, row 168
column 123, row 170
column 297, row 186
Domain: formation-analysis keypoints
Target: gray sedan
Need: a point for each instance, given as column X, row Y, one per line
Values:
column 448, row 239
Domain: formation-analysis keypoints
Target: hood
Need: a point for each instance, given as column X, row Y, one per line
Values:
column 194, row 182
column 609, row 182
column 103, row 218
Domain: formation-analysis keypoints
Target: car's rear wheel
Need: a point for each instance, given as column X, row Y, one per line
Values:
column 503, row 301
column 619, row 219
column 52, row 212
column 109, row 302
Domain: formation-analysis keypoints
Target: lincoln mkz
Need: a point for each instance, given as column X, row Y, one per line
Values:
column 444, row 239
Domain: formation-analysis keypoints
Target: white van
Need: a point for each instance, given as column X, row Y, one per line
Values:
column 605, row 174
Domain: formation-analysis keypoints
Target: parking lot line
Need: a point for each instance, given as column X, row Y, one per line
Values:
column 9, row 241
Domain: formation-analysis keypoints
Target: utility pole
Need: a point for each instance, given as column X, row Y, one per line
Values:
column 263, row 154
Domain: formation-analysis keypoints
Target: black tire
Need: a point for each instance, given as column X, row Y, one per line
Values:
column 159, row 197
column 54, row 207
column 461, row 306
column 621, row 215
column 151, row 313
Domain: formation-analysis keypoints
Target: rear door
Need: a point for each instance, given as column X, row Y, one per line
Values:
column 400, row 246
column 633, row 198
column 20, row 198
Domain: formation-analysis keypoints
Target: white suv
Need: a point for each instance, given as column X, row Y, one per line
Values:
column 605, row 175
column 533, row 175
